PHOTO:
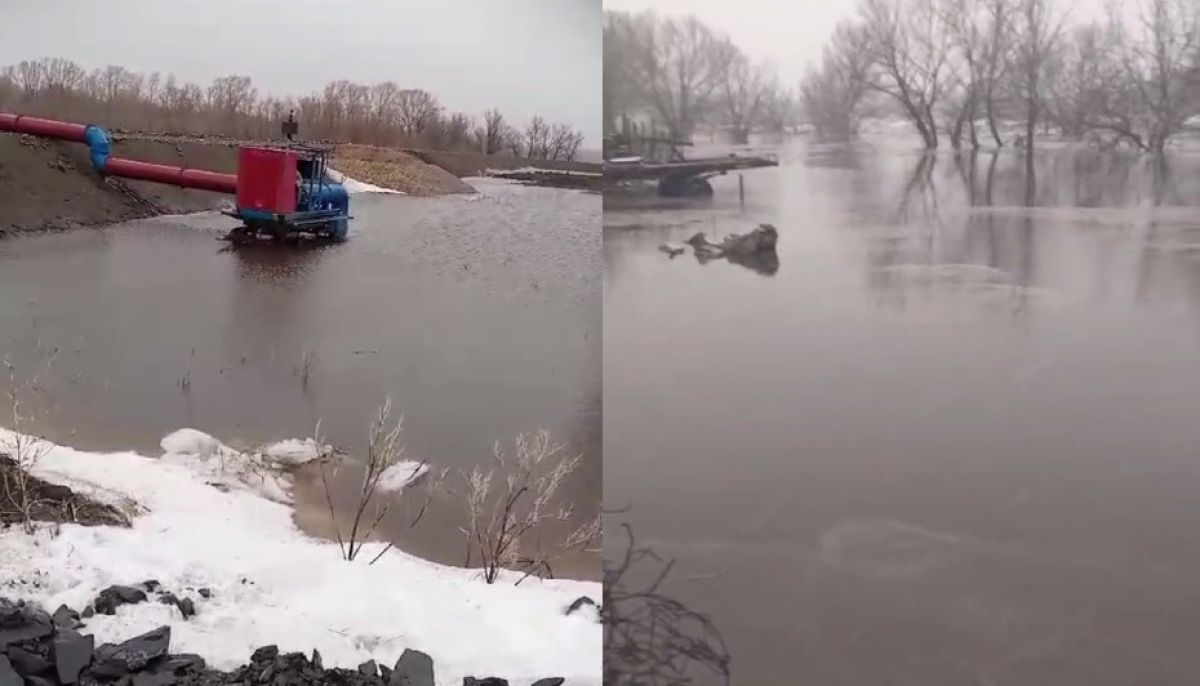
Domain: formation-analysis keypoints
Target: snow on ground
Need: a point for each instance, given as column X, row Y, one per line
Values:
column 356, row 186
column 273, row 584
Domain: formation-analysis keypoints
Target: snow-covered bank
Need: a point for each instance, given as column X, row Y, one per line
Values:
column 356, row 186
column 271, row 584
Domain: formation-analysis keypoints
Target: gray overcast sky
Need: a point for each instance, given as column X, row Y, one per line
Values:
column 789, row 33
column 526, row 57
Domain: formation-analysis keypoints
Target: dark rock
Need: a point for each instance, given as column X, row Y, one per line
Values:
column 317, row 662
column 71, row 655
column 65, row 616
column 486, row 681
column 385, row 673
column 132, row 655
column 183, row 663
column 205, row 593
column 115, row 596
column 414, row 668
column 154, row 679
column 88, row 612
column 151, row 585
column 550, row 681
column 168, row 599
column 369, row 668
column 8, row 675
column 187, row 607
column 10, row 614
column 39, row 681
column 27, row 662
column 20, row 622
column 265, row 654
column 580, row 602
column 31, row 630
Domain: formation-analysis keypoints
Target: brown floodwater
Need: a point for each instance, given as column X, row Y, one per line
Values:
column 479, row 315
column 950, row 438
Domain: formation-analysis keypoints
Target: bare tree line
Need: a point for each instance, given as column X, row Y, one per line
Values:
column 342, row 111
column 681, row 73
column 972, row 72
column 953, row 66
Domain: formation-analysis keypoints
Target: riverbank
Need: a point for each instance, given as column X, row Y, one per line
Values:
column 267, row 583
column 48, row 185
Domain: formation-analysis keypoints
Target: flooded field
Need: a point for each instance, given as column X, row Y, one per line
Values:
column 950, row 438
column 479, row 315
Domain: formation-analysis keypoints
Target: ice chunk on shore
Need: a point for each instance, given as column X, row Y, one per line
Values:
column 190, row 442
column 294, row 452
column 403, row 474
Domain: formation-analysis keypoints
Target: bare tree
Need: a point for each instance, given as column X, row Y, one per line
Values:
column 564, row 142
column 627, row 37
column 1160, row 60
column 910, row 47
column 494, row 131
column 682, row 67
column 1038, row 29
column 981, row 37
column 537, row 138
column 778, row 106
column 832, row 94
column 1082, row 93
column 742, row 90
column 28, row 76
column 417, row 109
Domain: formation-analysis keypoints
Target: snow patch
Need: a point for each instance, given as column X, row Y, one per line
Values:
column 272, row 584
column 356, row 186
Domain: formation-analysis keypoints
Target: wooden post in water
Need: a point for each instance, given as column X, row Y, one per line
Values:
column 741, row 191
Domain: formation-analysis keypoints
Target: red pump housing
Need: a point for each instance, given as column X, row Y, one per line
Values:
column 267, row 180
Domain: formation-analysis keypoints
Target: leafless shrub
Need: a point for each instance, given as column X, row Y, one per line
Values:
column 384, row 452
column 512, row 499
column 17, row 486
column 651, row 639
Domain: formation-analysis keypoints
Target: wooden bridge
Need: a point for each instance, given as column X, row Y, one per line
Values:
column 682, row 177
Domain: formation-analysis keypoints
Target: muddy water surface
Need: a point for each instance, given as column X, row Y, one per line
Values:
column 479, row 315
column 947, row 439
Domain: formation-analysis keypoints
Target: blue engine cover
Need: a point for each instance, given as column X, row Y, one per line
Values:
column 330, row 197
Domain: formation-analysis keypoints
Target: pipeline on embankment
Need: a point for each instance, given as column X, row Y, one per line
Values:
column 105, row 163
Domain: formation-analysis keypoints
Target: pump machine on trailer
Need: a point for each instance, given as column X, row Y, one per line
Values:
column 281, row 192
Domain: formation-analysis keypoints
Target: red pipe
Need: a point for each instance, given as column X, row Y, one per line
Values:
column 175, row 176
column 49, row 128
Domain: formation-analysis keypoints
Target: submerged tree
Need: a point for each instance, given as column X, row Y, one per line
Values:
column 651, row 639
column 1159, row 55
column 910, row 50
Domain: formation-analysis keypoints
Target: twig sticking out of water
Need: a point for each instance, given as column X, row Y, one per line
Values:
column 650, row 639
